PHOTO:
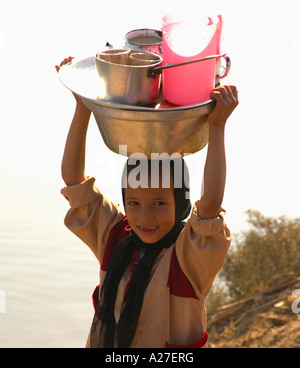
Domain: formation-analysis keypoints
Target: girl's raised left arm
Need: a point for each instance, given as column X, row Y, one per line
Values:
column 215, row 166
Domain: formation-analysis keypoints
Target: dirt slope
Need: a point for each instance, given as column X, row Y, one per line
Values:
column 264, row 320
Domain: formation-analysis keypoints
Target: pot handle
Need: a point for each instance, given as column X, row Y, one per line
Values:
column 227, row 67
column 152, row 73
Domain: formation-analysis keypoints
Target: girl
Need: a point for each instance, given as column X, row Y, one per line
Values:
column 155, row 270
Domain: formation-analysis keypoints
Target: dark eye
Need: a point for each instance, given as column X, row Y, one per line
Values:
column 159, row 203
column 132, row 203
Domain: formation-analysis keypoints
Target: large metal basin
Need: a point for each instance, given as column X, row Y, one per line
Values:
column 128, row 130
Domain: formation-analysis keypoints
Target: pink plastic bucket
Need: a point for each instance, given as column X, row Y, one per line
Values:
column 186, row 41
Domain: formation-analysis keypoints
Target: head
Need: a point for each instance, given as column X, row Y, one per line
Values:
column 155, row 196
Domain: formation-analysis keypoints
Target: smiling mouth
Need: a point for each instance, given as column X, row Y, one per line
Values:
column 147, row 229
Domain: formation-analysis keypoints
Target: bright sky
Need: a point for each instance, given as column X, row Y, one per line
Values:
column 262, row 39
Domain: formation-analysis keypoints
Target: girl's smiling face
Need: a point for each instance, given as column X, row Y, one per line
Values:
column 150, row 212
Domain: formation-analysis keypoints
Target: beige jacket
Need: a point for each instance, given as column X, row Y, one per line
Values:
column 173, row 310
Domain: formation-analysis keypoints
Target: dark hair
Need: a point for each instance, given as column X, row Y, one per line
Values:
column 121, row 334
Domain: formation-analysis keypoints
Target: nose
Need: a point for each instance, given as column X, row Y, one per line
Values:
column 146, row 214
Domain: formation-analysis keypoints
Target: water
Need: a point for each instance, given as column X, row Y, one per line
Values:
column 48, row 277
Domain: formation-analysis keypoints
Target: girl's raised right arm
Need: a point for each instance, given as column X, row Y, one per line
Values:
column 73, row 162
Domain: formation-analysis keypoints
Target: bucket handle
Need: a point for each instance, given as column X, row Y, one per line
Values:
column 152, row 73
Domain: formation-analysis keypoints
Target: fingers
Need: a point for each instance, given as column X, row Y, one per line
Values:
column 64, row 62
column 226, row 94
column 67, row 60
column 231, row 95
column 226, row 101
column 233, row 90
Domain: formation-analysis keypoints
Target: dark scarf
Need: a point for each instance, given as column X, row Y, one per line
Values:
column 121, row 334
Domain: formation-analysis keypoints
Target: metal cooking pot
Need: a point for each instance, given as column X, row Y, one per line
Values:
column 125, row 79
column 144, row 39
